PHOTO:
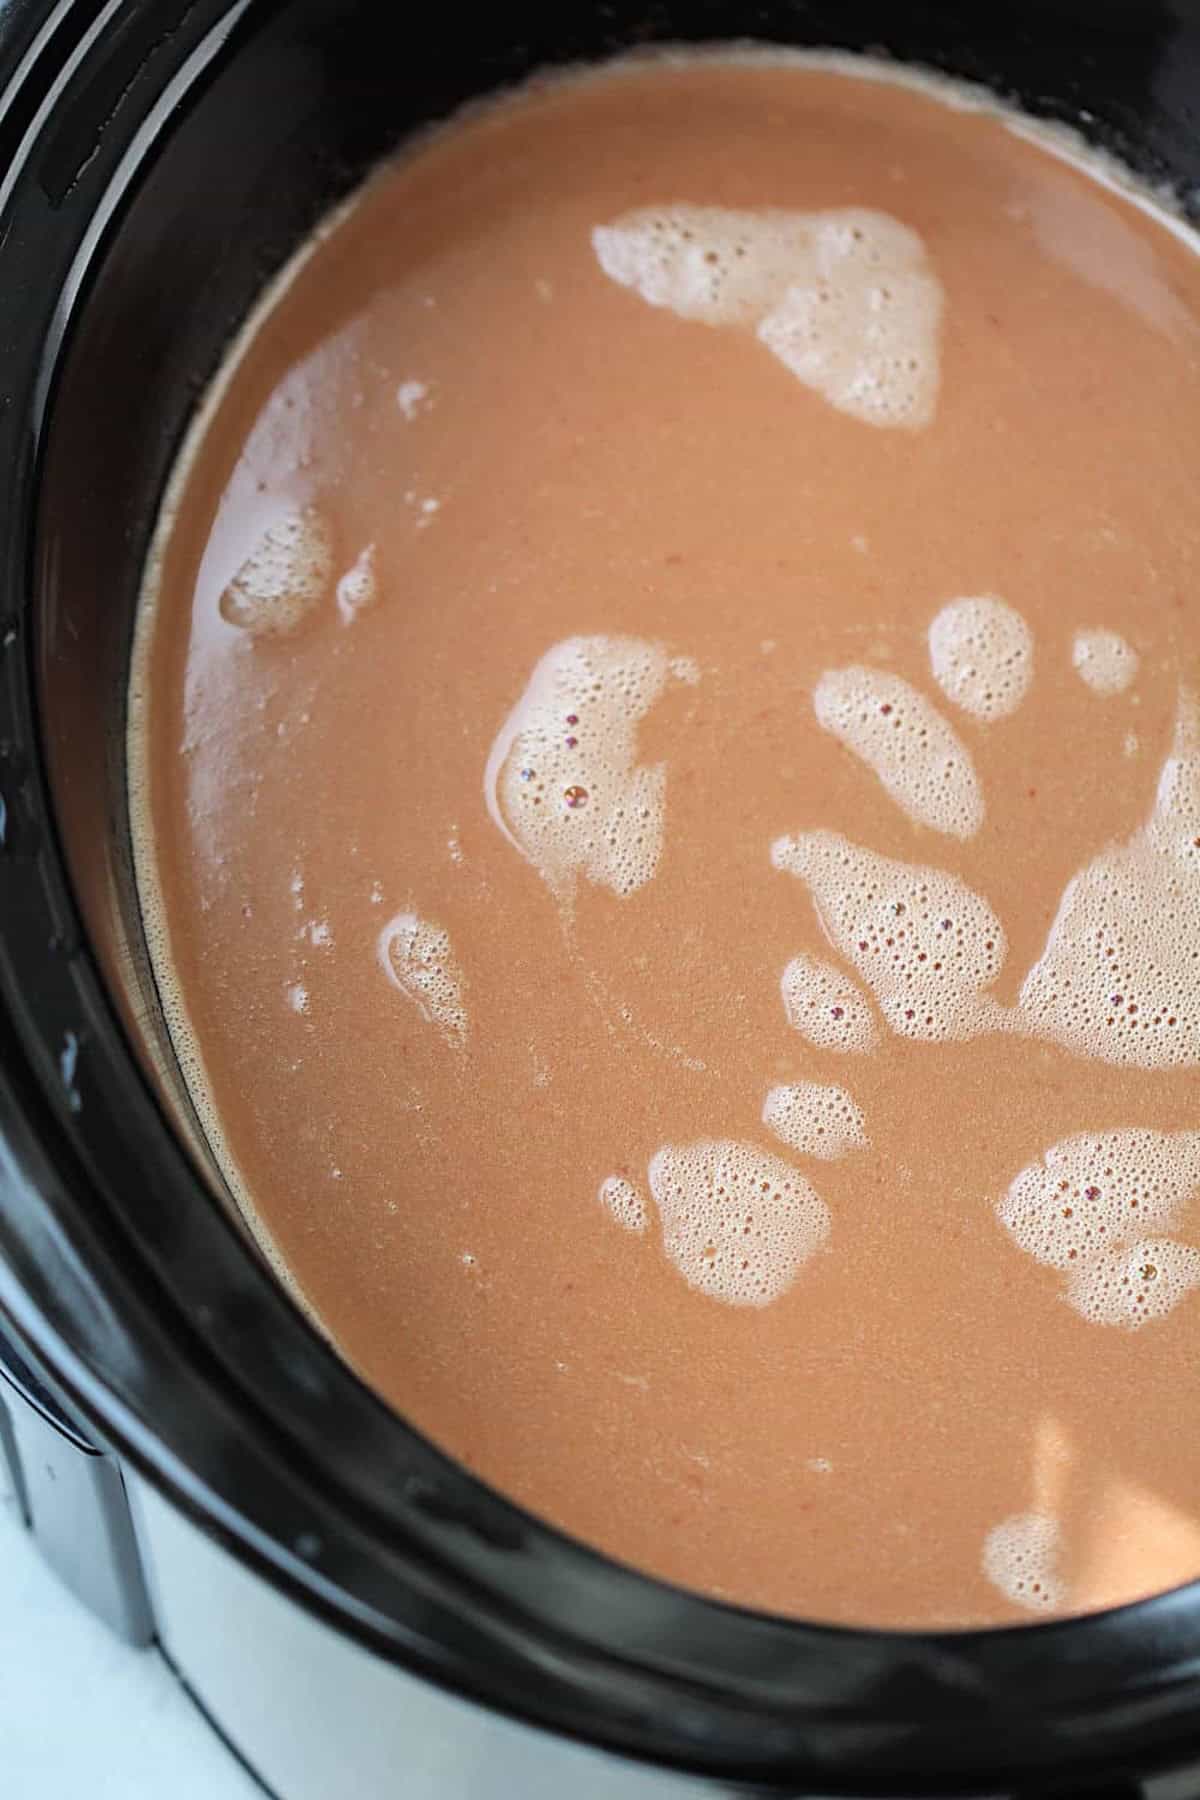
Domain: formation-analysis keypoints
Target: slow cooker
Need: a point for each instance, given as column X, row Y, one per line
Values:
column 357, row 1614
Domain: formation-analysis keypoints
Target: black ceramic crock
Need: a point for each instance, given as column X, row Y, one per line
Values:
column 159, row 161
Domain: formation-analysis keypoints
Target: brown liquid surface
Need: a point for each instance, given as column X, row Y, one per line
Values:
column 603, row 466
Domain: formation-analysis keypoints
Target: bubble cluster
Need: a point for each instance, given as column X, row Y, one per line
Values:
column 358, row 587
column 1086, row 1208
column 815, row 1119
column 846, row 300
column 1021, row 1558
column 737, row 1222
column 707, row 263
column 1137, row 1283
column 624, row 1202
column 981, row 654
column 286, row 575
column 905, row 741
column 1119, row 977
column 411, row 397
column 826, row 1007
column 1105, row 661
column 1098, row 1188
column 562, row 781
column 862, row 329
column 417, row 956
column 924, row 943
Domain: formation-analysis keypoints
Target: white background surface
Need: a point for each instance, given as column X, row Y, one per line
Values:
column 84, row 1717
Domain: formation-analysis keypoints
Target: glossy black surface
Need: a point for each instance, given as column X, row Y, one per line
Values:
column 162, row 159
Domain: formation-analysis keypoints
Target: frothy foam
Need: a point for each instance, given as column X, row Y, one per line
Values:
column 737, row 1222
column 417, row 956
column 624, row 1202
column 1135, row 1284
column 1105, row 661
column 826, row 1007
column 358, row 587
column 981, row 654
column 562, row 780
column 846, row 300
column 815, row 1120
column 905, row 741
column 411, row 398
column 1021, row 1558
column 925, row 944
column 1086, row 1208
column 286, row 575
column 1118, row 976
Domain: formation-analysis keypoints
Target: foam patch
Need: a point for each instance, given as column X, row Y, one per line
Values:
column 815, row 1119
column 981, row 655
column 358, row 587
column 1097, row 1189
column 826, row 1007
column 624, row 1202
column 924, row 943
column 286, row 575
column 417, row 957
column 1117, row 979
column 1093, row 1208
column 1021, row 1559
column 1105, row 661
column 412, row 397
column 906, row 743
column 846, row 300
column 563, row 782
column 1132, row 1285
column 737, row 1222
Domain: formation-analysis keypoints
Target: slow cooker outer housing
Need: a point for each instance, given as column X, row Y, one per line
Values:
column 160, row 161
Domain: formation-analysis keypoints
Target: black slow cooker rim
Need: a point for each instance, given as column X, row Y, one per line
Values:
column 183, row 1354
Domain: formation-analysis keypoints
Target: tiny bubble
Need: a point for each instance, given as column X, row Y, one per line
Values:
column 838, row 1012
column 576, row 797
column 572, row 718
column 571, row 742
column 528, row 774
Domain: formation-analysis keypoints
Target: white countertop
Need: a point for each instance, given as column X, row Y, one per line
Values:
column 84, row 1717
